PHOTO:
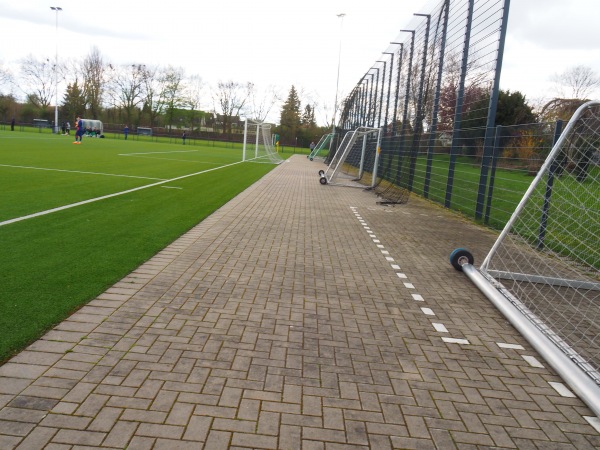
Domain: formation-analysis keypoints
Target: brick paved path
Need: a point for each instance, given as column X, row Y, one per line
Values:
column 298, row 316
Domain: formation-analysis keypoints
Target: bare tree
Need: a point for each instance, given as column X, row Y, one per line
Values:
column 126, row 85
column 93, row 71
column 193, row 96
column 230, row 98
column 6, row 78
column 261, row 102
column 172, row 88
column 37, row 81
column 577, row 82
column 153, row 104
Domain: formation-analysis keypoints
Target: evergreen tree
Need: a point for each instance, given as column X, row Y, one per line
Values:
column 308, row 118
column 73, row 102
column 290, row 117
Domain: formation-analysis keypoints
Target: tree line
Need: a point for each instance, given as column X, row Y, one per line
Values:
column 147, row 96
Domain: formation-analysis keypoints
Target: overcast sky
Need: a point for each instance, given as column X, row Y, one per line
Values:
column 282, row 43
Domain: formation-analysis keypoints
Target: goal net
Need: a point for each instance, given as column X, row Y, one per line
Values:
column 258, row 143
column 546, row 261
column 355, row 160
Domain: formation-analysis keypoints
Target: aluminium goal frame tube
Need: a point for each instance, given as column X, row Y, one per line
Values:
column 580, row 382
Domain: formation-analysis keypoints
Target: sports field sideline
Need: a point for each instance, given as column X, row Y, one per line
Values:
column 295, row 316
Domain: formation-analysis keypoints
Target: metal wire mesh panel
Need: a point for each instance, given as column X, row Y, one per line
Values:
column 434, row 89
column 547, row 259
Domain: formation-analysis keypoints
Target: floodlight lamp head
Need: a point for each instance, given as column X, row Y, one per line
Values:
column 341, row 15
column 56, row 8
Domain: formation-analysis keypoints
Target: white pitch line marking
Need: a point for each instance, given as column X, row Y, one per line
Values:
column 418, row 297
column 440, row 327
column 377, row 241
column 409, row 286
column 385, row 252
column 380, row 246
column 171, row 187
column 455, row 340
column 395, row 267
column 389, row 258
column 401, row 275
column 80, row 172
column 533, row 362
column 116, row 194
column 428, row 311
column 561, row 389
column 513, row 346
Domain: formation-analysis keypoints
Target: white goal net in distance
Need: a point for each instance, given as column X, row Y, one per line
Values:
column 546, row 261
column 355, row 160
column 258, row 143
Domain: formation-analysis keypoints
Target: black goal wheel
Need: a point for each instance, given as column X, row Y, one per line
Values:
column 323, row 180
column 321, row 173
column 311, row 159
column 459, row 257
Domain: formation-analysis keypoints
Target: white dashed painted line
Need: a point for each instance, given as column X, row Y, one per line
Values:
column 513, row 346
column 561, row 389
column 455, row 341
column 440, row 327
column 533, row 362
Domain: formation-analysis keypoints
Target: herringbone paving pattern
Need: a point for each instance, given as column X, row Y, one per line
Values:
column 298, row 316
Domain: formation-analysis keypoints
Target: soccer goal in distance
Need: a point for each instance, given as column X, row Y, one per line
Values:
column 355, row 160
column 543, row 271
column 321, row 148
column 258, row 143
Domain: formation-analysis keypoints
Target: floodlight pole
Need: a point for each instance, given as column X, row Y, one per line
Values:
column 56, row 9
column 337, row 84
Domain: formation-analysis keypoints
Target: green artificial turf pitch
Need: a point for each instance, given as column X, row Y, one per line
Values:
column 53, row 263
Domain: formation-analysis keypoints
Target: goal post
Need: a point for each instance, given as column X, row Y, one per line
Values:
column 543, row 271
column 355, row 160
column 258, row 143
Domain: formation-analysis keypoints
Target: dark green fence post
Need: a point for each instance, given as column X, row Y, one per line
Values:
column 491, row 118
column 549, row 183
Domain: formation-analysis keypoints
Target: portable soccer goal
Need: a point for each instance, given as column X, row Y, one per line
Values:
column 322, row 147
column 258, row 143
column 543, row 271
column 355, row 161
